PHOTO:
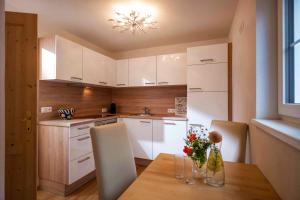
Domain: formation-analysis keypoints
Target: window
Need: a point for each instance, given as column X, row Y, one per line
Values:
column 292, row 46
column 289, row 58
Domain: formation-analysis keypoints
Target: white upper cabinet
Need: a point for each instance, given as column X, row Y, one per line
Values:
column 142, row 71
column 60, row 59
column 122, row 70
column 110, row 71
column 171, row 69
column 209, row 77
column 94, row 70
column 216, row 53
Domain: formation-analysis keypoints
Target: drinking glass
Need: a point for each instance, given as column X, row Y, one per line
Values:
column 189, row 171
column 179, row 166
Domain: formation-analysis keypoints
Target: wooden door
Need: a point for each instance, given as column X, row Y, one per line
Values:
column 21, row 105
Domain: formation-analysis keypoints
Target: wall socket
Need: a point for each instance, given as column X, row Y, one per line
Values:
column 171, row 110
column 46, row 109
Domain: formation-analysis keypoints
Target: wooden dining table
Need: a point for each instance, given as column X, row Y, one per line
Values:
column 158, row 182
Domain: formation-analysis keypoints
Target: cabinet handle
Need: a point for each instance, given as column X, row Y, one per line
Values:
column 145, row 122
column 84, row 127
column 168, row 123
column 197, row 125
column 121, row 84
column 76, row 78
column 207, row 60
column 150, row 83
column 84, row 138
column 195, row 88
column 85, row 159
column 163, row 82
column 102, row 82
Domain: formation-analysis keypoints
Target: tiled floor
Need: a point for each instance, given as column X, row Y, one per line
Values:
column 87, row 192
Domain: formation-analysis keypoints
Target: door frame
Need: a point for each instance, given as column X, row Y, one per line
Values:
column 2, row 100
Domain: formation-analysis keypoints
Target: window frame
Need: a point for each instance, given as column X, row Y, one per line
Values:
column 284, row 65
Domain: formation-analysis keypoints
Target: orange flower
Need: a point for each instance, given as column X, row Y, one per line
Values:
column 215, row 137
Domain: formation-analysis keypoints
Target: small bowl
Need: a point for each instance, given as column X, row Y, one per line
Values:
column 66, row 113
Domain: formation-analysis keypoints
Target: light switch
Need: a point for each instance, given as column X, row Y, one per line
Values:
column 46, row 109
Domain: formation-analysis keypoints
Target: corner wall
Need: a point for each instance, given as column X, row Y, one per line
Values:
column 243, row 38
column 2, row 98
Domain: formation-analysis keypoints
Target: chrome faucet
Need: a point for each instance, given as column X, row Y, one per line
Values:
column 146, row 111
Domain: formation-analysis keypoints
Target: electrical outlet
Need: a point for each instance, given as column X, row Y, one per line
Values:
column 46, row 109
column 171, row 110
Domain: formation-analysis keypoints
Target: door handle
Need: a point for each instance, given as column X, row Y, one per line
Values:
column 121, row 84
column 197, row 125
column 167, row 123
column 84, row 138
column 85, row 159
column 163, row 83
column 75, row 78
column 84, row 127
column 102, row 82
column 207, row 60
column 195, row 88
column 150, row 83
column 145, row 122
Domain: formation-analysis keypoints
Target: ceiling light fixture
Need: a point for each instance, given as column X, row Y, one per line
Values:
column 134, row 22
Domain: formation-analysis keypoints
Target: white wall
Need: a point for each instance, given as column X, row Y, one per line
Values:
column 2, row 95
column 266, row 59
column 242, row 36
column 278, row 161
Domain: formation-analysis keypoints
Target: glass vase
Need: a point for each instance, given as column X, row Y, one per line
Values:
column 199, row 168
column 215, row 174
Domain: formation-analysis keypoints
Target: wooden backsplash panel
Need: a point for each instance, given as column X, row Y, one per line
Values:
column 158, row 99
column 86, row 101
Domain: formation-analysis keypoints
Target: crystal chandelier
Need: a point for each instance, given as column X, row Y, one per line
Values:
column 133, row 22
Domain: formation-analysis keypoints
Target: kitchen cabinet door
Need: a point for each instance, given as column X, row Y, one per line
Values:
column 93, row 67
column 142, row 71
column 171, row 69
column 110, row 71
column 209, row 77
column 140, row 135
column 203, row 107
column 216, row 53
column 68, row 60
column 168, row 136
column 122, row 70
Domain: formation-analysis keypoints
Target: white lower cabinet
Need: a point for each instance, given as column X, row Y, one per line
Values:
column 80, row 167
column 140, row 135
column 168, row 136
column 151, row 137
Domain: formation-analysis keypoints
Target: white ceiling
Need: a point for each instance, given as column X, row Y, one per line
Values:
column 180, row 21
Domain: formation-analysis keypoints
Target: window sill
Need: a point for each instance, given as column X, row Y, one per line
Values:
column 282, row 130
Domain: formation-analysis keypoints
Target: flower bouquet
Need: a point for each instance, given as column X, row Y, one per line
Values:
column 196, row 145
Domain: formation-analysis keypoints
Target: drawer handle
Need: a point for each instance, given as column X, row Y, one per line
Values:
column 85, row 159
column 84, row 138
column 163, row 82
column 121, row 84
column 197, row 125
column 84, row 127
column 75, row 78
column 207, row 60
column 169, row 123
column 102, row 82
column 195, row 88
column 150, row 83
column 145, row 122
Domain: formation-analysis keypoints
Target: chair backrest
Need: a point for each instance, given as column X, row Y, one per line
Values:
column 115, row 166
column 234, row 139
